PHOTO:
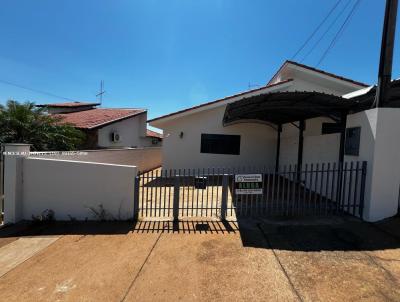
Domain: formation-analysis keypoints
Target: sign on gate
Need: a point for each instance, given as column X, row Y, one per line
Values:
column 248, row 184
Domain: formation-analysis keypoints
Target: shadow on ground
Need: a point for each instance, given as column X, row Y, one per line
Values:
column 118, row 227
column 344, row 234
column 293, row 234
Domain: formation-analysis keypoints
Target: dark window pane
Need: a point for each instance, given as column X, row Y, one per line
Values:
column 330, row 128
column 220, row 144
column 352, row 146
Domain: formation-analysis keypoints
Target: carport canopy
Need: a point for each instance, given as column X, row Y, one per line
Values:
column 286, row 107
column 280, row 108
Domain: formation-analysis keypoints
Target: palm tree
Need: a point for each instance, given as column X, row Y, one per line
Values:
column 26, row 123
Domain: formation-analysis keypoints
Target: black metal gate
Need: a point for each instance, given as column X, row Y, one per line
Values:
column 315, row 189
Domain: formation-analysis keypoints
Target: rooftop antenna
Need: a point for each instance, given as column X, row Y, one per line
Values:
column 101, row 92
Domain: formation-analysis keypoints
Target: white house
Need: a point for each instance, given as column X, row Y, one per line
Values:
column 107, row 127
column 198, row 137
column 303, row 115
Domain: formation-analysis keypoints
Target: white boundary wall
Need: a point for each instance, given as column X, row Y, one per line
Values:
column 69, row 188
column 143, row 158
column 380, row 147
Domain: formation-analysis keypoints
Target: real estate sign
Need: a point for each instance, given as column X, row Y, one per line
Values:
column 248, row 184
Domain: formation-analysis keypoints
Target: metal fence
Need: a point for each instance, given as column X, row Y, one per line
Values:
column 314, row 189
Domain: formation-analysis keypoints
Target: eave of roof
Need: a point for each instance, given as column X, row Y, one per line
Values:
column 103, row 123
column 68, row 105
column 218, row 100
column 366, row 100
column 151, row 133
column 318, row 71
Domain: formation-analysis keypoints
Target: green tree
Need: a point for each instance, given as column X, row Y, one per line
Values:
column 26, row 123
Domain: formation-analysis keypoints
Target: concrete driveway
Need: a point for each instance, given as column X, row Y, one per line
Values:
column 332, row 259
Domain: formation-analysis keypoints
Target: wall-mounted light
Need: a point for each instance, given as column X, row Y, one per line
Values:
column 181, row 134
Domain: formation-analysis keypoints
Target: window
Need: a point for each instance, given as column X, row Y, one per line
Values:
column 352, row 145
column 331, row 128
column 220, row 144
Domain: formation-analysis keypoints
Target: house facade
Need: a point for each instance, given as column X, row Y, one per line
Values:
column 302, row 116
column 198, row 137
column 107, row 127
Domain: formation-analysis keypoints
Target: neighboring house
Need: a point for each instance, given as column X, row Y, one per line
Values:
column 107, row 127
column 209, row 135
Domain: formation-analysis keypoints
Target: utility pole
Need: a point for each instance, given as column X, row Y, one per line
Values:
column 386, row 59
column 101, row 92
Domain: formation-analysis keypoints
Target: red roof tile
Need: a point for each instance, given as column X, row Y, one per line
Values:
column 151, row 133
column 68, row 105
column 94, row 118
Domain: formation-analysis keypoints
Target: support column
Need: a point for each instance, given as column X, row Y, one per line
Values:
column 302, row 127
column 343, row 119
column 13, row 153
column 342, row 122
column 278, row 148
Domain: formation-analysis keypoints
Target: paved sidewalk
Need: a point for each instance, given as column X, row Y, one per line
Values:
column 20, row 250
column 290, row 260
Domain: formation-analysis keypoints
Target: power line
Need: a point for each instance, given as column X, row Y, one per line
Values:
column 340, row 31
column 316, row 30
column 36, row 90
column 326, row 31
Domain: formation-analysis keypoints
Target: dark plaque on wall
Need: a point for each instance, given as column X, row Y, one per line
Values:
column 352, row 145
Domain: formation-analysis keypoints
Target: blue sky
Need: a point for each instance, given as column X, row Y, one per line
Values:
column 167, row 55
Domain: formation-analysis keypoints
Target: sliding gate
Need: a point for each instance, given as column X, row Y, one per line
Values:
column 316, row 190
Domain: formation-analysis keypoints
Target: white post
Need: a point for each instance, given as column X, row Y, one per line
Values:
column 13, row 181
